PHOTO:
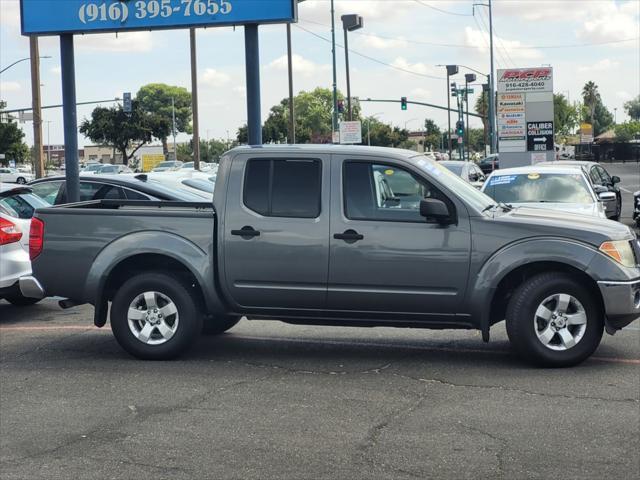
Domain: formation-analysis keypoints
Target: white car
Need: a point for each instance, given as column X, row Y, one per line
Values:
column 12, row 175
column 91, row 168
column 199, row 183
column 169, row 166
column 557, row 188
column 189, row 166
column 14, row 259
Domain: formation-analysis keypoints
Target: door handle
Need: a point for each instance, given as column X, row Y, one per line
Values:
column 349, row 236
column 246, row 232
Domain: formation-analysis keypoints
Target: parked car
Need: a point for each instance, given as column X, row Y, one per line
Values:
column 109, row 169
column 197, row 183
column 558, row 188
column 12, row 175
column 14, row 258
column 91, row 168
column 636, row 208
column 168, row 166
column 116, row 187
column 468, row 171
column 21, row 200
column 601, row 182
column 190, row 166
column 297, row 233
column 490, row 163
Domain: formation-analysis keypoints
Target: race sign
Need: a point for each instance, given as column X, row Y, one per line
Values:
column 539, row 136
column 525, row 80
column 49, row 17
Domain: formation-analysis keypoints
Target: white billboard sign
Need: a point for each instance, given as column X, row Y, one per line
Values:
column 525, row 80
column 350, row 132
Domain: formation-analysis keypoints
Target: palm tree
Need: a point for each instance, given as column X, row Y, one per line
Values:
column 482, row 109
column 590, row 97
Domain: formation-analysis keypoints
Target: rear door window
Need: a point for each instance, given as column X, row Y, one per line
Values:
column 48, row 191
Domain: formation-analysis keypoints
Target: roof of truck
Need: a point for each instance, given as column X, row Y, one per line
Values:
column 329, row 148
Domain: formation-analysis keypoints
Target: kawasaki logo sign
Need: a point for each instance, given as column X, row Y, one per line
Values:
column 525, row 80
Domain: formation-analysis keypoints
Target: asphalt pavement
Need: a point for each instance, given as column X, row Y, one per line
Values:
column 274, row 401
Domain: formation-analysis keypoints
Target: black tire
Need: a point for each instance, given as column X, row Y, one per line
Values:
column 219, row 325
column 21, row 301
column 187, row 307
column 521, row 320
column 21, row 181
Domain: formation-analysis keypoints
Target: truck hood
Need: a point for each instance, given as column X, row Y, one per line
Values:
column 589, row 229
column 595, row 209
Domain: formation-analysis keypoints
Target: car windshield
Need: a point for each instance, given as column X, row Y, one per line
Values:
column 188, row 165
column 165, row 164
column 454, row 183
column 108, row 169
column 93, row 167
column 454, row 167
column 199, row 184
column 537, row 187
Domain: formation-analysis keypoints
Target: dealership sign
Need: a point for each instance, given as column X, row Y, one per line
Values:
column 525, row 80
column 49, row 17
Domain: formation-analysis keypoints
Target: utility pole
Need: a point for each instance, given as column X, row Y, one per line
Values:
column 292, row 123
column 194, row 102
column 335, row 74
column 492, row 99
column 37, row 106
column 173, row 120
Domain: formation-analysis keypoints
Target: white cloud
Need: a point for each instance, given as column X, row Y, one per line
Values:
column 418, row 67
column 214, row 78
column 611, row 22
column 56, row 70
column 301, row 65
column 318, row 10
column 130, row 42
column 6, row 87
column 420, row 94
column 378, row 43
column 624, row 95
column 514, row 49
column 240, row 89
column 603, row 65
column 10, row 14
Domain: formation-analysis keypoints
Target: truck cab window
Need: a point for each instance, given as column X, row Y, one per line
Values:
column 283, row 188
column 384, row 192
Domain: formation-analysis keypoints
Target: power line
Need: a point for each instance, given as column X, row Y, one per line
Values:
column 420, row 2
column 454, row 45
column 395, row 67
column 504, row 56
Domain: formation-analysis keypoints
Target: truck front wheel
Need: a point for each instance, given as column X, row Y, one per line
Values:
column 554, row 321
column 154, row 316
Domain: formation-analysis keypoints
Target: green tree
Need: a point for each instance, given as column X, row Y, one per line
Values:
column 632, row 107
column 384, row 135
column 625, row 132
column 210, row 151
column 313, row 118
column 156, row 102
column 565, row 116
column 590, row 98
column 432, row 134
column 476, row 139
column 126, row 132
column 11, row 140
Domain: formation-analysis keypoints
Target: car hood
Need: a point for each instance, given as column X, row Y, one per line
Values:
column 540, row 221
column 595, row 209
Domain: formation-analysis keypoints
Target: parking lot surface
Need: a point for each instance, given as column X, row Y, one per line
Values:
column 629, row 173
column 269, row 400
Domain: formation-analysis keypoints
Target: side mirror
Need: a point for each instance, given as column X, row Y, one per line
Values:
column 436, row 209
column 607, row 196
column 615, row 179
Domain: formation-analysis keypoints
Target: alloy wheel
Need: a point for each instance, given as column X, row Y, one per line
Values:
column 560, row 322
column 153, row 318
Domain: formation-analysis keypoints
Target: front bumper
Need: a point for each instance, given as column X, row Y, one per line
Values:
column 31, row 288
column 621, row 302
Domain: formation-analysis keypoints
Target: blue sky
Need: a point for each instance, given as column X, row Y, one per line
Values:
column 406, row 34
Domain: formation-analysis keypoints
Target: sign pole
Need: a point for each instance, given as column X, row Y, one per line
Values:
column 37, row 106
column 292, row 119
column 194, row 100
column 252, row 54
column 70, row 119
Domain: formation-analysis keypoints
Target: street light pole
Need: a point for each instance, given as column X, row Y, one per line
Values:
column 21, row 60
column 492, row 85
column 350, row 23
column 335, row 75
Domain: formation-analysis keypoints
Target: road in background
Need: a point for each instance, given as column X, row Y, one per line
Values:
column 629, row 173
column 269, row 400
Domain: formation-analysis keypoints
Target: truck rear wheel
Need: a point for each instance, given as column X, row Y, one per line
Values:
column 219, row 325
column 155, row 316
column 553, row 321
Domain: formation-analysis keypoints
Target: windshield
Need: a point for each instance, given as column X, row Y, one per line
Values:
column 165, row 164
column 454, row 167
column 199, row 184
column 539, row 188
column 467, row 192
column 93, row 167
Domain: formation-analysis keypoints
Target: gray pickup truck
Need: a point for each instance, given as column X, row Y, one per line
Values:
column 330, row 235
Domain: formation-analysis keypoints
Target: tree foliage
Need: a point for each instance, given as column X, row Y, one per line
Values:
column 384, row 135
column 11, row 140
column 625, row 132
column 594, row 110
column 126, row 132
column 156, row 101
column 433, row 134
column 566, row 116
column 632, row 107
column 210, row 150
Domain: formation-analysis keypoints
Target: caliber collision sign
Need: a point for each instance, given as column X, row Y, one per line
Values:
column 539, row 136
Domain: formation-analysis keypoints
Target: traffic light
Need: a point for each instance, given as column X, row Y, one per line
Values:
column 403, row 103
column 340, row 106
column 454, row 89
column 460, row 128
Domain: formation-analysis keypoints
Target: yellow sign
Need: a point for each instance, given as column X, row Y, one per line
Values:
column 389, row 172
column 150, row 160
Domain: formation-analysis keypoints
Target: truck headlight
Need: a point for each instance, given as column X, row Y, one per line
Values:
column 620, row 251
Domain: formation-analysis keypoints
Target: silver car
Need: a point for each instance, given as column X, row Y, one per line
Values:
column 14, row 259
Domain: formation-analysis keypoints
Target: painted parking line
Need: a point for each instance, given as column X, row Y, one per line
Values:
column 342, row 343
